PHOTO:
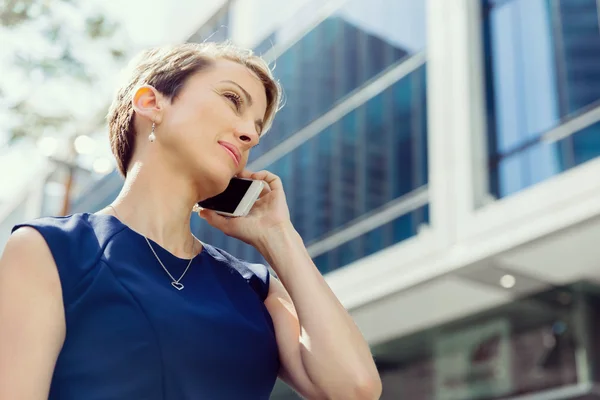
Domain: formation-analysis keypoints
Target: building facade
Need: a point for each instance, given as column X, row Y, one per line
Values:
column 441, row 162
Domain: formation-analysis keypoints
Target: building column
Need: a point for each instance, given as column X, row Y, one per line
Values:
column 458, row 162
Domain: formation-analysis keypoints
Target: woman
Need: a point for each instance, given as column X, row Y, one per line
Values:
column 127, row 304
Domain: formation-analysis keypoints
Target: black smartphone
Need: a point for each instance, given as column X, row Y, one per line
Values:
column 237, row 200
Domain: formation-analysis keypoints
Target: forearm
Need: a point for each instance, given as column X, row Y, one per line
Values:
column 334, row 353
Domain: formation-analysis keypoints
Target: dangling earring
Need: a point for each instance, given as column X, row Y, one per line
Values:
column 152, row 136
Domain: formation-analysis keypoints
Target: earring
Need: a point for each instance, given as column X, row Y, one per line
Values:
column 152, row 136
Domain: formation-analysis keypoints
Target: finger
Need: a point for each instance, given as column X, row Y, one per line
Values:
column 270, row 178
column 215, row 220
column 245, row 174
column 265, row 190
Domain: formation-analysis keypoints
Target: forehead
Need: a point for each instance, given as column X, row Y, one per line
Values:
column 226, row 70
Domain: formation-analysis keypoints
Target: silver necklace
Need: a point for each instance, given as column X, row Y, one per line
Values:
column 176, row 283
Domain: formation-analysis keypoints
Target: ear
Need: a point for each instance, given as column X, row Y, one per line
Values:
column 147, row 102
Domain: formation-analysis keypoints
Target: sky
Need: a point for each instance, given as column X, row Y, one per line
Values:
column 165, row 21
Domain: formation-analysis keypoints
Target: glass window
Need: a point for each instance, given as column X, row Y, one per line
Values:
column 323, row 210
column 302, row 192
column 377, row 137
column 395, row 231
column 340, row 54
column 346, row 195
column 348, row 252
column 408, row 137
column 323, row 263
column 368, row 157
column 375, row 241
column 371, row 156
column 542, row 60
column 586, row 144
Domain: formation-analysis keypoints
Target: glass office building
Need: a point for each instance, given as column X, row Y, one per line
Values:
column 441, row 162
column 351, row 140
column 542, row 61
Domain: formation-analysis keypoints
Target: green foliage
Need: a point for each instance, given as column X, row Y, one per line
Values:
column 51, row 43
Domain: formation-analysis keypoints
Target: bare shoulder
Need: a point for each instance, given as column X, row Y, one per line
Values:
column 26, row 253
column 26, row 242
column 29, row 277
column 32, row 325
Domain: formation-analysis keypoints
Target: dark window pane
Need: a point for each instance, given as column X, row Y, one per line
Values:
column 403, row 228
column 303, row 199
column 350, row 252
column 376, row 146
column 586, row 143
column 323, row 263
column 375, row 241
column 366, row 158
column 340, row 54
column 395, row 231
column 323, row 211
column 347, row 195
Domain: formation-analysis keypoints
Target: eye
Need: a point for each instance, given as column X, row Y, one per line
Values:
column 235, row 99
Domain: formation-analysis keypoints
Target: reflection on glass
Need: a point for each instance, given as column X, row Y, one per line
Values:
column 395, row 231
column 339, row 55
column 586, row 144
column 379, row 151
column 371, row 156
column 542, row 61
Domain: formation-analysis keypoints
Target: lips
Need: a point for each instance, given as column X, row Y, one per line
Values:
column 233, row 152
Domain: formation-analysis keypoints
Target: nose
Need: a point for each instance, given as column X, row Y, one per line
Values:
column 247, row 134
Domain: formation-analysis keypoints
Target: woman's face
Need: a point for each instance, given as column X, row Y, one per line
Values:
column 210, row 127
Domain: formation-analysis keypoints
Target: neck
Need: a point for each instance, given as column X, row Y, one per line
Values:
column 158, row 205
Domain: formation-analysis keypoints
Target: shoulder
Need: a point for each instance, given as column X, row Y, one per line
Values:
column 31, row 307
column 54, row 229
column 76, row 225
column 74, row 243
column 26, row 244
column 257, row 275
column 78, row 233
column 27, row 258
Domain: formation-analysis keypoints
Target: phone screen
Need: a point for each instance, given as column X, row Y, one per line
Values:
column 228, row 200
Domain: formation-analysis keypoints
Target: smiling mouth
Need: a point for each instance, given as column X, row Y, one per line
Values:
column 235, row 159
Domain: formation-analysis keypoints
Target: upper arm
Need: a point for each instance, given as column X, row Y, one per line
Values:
column 289, row 340
column 32, row 323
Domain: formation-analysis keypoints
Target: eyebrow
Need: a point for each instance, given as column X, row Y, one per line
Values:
column 259, row 122
column 246, row 94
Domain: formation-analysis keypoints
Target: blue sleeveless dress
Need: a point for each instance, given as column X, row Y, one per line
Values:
column 131, row 335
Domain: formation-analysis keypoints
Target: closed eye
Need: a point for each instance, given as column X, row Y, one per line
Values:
column 235, row 99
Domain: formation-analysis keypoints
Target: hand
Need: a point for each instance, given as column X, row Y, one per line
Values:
column 269, row 214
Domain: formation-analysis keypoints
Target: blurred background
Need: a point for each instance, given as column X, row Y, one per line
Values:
column 441, row 160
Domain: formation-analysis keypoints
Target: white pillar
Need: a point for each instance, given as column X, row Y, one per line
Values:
column 457, row 134
column 441, row 201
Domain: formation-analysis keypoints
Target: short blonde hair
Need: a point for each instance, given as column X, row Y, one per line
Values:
column 167, row 70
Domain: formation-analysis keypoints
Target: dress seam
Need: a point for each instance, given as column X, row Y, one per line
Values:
column 137, row 302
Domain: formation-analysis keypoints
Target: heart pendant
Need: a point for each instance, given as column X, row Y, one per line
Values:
column 177, row 285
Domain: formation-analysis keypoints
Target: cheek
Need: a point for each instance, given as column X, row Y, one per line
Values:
column 186, row 123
